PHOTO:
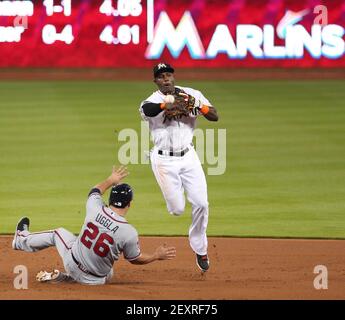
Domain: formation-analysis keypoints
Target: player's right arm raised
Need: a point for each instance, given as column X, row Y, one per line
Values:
column 116, row 176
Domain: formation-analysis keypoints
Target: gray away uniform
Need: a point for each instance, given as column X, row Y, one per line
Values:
column 88, row 258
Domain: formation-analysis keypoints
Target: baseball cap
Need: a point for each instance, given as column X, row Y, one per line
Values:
column 162, row 67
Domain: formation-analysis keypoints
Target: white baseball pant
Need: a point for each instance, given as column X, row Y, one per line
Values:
column 176, row 175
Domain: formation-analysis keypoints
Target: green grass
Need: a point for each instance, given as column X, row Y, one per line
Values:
column 285, row 160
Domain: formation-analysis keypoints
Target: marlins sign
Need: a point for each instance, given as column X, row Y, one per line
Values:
column 260, row 42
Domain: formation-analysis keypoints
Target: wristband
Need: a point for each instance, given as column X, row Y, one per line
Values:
column 204, row 109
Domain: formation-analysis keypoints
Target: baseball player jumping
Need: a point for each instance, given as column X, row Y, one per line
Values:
column 89, row 258
column 171, row 112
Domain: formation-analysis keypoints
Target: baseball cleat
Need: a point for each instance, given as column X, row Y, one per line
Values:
column 44, row 276
column 23, row 224
column 202, row 262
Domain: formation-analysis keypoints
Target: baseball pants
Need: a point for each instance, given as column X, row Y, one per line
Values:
column 63, row 240
column 175, row 175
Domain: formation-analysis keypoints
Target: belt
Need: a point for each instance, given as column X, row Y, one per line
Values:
column 174, row 153
column 82, row 268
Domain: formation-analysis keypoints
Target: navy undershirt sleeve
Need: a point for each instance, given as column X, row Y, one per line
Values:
column 94, row 190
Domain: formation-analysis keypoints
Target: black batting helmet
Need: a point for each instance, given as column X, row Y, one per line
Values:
column 120, row 195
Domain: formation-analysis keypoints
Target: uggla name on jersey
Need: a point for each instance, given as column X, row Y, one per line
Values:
column 107, row 223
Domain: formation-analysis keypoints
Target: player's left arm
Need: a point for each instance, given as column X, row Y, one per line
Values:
column 132, row 252
column 161, row 253
column 205, row 107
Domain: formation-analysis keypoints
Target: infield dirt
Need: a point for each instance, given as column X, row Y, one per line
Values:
column 239, row 269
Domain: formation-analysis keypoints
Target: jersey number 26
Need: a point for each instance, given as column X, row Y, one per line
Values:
column 101, row 247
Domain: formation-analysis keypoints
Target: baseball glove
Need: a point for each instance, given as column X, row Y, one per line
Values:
column 181, row 107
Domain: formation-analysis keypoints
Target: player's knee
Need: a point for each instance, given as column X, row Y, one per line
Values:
column 177, row 210
column 60, row 233
column 60, row 230
column 175, row 213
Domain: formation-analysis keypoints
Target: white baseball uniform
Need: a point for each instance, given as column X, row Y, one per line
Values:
column 88, row 258
column 176, row 174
